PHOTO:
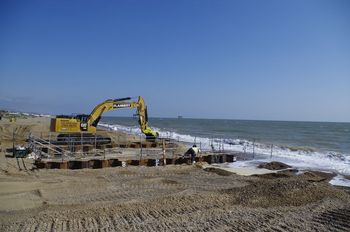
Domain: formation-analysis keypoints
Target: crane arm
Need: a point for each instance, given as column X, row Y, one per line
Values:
column 109, row 105
column 143, row 118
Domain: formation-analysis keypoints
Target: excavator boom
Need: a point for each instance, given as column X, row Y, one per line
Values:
column 89, row 123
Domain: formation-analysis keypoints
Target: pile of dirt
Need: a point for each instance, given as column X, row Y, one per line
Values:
column 218, row 171
column 315, row 176
column 293, row 191
column 281, row 174
column 274, row 165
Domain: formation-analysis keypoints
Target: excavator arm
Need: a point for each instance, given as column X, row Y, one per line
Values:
column 109, row 105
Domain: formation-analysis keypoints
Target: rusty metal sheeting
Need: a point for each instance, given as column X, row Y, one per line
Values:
column 104, row 163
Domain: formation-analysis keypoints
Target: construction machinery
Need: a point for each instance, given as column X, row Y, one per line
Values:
column 74, row 126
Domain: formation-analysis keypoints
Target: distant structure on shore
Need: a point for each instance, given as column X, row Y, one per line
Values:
column 179, row 117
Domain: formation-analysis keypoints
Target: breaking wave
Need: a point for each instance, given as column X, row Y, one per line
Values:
column 299, row 157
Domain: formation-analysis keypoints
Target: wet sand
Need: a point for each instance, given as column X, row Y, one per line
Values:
column 170, row 198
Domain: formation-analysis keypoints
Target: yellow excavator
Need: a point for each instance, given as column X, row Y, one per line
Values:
column 72, row 126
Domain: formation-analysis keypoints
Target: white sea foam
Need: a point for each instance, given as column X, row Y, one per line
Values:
column 339, row 180
column 302, row 159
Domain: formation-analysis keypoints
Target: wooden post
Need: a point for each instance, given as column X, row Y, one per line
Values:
column 164, row 158
column 24, row 165
column 48, row 150
column 140, row 147
column 19, row 166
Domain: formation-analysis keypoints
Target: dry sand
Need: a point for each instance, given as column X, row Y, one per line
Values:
column 171, row 198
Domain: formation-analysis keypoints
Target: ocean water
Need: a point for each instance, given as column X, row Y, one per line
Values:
column 316, row 145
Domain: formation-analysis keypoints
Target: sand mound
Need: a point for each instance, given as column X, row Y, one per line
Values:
column 274, row 165
column 315, row 176
column 293, row 191
column 218, row 171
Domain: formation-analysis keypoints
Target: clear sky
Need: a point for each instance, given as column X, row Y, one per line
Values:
column 279, row 60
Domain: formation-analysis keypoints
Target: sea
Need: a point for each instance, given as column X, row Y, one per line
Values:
column 323, row 146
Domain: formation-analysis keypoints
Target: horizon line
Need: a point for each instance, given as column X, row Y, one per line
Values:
column 183, row 117
column 271, row 120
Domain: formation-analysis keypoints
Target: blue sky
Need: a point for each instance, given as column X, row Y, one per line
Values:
column 278, row 60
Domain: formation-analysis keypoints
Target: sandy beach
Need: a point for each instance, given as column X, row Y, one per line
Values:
column 169, row 198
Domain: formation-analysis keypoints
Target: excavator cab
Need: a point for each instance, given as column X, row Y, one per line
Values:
column 83, row 121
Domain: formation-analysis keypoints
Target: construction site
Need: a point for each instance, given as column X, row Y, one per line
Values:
column 74, row 142
column 76, row 155
column 64, row 173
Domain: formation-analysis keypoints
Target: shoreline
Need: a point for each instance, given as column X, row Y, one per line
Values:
column 301, row 158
